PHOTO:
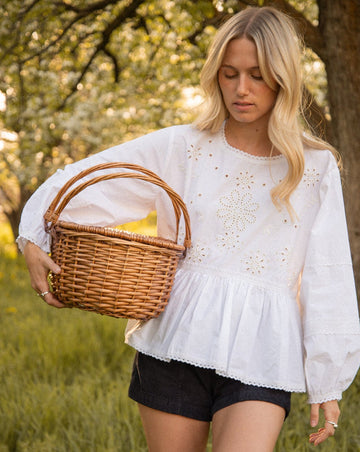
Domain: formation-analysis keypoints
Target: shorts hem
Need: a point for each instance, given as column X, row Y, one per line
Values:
column 163, row 405
column 247, row 398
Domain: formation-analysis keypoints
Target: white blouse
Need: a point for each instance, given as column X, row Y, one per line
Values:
column 236, row 306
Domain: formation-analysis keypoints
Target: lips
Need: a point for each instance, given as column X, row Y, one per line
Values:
column 242, row 106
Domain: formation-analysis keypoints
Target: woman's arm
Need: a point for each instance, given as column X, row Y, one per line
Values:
column 329, row 308
column 110, row 203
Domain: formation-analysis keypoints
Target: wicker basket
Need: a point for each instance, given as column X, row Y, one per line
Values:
column 108, row 271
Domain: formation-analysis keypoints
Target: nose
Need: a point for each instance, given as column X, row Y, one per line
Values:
column 243, row 85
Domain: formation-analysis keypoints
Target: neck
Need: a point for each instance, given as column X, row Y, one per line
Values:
column 250, row 138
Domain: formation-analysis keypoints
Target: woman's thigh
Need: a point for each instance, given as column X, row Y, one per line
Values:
column 167, row 432
column 249, row 426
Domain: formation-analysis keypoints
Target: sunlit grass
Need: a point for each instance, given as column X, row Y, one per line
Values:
column 63, row 375
column 64, row 378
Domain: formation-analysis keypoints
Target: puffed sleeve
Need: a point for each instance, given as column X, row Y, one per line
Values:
column 328, row 298
column 107, row 203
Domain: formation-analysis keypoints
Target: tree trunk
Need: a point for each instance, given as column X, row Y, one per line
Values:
column 14, row 218
column 339, row 22
column 14, row 215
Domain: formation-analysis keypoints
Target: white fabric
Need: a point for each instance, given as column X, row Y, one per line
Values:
column 234, row 304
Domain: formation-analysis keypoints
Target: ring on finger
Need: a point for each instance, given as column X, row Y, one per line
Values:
column 334, row 424
column 42, row 294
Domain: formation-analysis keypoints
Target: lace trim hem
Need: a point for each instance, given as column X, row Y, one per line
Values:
column 329, row 332
column 282, row 387
column 326, row 398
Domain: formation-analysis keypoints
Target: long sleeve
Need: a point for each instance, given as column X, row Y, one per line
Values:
column 107, row 203
column 328, row 299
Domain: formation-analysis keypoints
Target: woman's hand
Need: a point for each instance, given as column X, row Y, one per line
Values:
column 331, row 413
column 39, row 265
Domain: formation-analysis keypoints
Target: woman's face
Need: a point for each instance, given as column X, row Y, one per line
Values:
column 248, row 99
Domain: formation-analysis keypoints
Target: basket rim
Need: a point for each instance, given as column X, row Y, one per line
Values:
column 120, row 234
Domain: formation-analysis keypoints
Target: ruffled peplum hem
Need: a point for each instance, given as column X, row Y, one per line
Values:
column 249, row 333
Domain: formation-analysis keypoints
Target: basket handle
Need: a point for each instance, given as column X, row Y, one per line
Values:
column 56, row 207
column 110, row 165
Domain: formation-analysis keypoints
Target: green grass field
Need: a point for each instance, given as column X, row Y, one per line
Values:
column 64, row 376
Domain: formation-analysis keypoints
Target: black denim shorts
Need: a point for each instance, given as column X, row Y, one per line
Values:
column 180, row 388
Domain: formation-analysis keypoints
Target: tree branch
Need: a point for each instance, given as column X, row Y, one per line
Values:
column 88, row 9
column 22, row 99
column 126, row 13
column 115, row 63
column 54, row 41
column 215, row 21
column 8, row 203
column 311, row 33
column 81, row 13
column 17, row 25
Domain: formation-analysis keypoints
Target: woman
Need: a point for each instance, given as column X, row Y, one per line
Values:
column 266, row 208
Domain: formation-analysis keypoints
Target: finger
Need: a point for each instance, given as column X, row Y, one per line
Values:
column 39, row 265
column 318, row 437
column 314, row 414
column 322, row 434
column 36, row 257
column 51, row 300
column 51, row 265
column 39, row 279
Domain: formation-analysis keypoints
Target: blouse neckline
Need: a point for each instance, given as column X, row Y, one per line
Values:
column 243, row 153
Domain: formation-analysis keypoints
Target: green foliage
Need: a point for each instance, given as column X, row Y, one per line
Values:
column 309, row 8
column 60, row 112
column 78, row 77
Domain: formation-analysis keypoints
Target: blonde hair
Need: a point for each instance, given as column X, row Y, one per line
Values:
column 279, row 51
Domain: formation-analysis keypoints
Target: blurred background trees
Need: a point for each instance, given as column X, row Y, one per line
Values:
column 78, row 76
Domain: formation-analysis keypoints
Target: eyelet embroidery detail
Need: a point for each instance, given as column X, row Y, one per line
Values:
column 197, row 253
column 283, row 256
column 229, row 240
column 255, row 263
column 194, row 152
column 237, row 210
column 311, row 177
column 276, row 262
column 245, row 180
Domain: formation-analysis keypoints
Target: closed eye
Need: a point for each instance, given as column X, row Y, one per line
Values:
column 230, row 76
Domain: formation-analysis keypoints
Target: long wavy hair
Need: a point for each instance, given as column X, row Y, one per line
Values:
column 279, row 53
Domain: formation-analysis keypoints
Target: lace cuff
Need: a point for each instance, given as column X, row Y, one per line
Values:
column 321, row 398
column 22, row 241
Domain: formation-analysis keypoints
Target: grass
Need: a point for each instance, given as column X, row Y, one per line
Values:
column 64, row 376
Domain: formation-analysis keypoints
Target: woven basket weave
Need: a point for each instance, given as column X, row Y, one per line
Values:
column 108, row 271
